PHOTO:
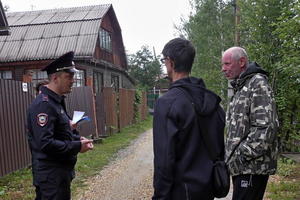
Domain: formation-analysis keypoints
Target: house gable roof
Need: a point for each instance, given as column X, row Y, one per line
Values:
column 47, row 34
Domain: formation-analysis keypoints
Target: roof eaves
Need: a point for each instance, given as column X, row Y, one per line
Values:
column 114, row 68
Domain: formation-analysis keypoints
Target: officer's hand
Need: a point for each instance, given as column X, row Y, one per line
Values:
column 73, row 126
column 86, row 145
column 83, row 138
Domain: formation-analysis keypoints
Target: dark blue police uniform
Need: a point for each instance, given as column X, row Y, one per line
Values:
column 54, row 146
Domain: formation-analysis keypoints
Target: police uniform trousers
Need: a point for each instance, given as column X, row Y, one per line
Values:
column 53, row 184
column 249, row 187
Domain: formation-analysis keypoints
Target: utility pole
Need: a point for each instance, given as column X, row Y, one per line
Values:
column 154, row 53
column 32, row 7
column 237, row 19
column 237, row 23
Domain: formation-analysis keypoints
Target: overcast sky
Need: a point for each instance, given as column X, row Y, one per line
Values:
column 143, row 22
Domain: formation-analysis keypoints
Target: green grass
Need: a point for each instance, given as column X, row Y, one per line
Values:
column 18, row 185
column 287, row 185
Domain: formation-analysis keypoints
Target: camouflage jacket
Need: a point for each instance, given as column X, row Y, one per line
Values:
column 251, row 125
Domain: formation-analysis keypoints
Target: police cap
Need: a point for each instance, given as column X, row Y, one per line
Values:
column 63, row 63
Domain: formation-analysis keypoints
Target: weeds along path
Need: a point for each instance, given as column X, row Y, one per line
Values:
column 128, row 177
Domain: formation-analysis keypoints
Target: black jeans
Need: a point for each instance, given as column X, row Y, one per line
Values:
column 249, row 187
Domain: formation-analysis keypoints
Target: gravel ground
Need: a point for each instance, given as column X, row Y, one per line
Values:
column 128, row 177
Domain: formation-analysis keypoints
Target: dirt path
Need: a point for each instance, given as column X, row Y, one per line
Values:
column 128, row 177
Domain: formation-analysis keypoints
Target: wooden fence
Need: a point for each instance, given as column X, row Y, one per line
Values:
column 109, row 112
column 99, row 110
column 14, row 151
column 126, row 99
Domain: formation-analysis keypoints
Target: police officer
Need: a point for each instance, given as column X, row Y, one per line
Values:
column 53, row 141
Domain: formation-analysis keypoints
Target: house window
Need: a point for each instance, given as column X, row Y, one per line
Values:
column 79, row 79
column 98, row 82
column 105, row 40
column 115, row 82
column 5, row 74
column 38, row 76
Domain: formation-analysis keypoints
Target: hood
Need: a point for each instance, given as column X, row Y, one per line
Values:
column 205, row 100
column 251, row 70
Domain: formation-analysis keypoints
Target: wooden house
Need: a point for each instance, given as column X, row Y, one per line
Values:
column 39, row 37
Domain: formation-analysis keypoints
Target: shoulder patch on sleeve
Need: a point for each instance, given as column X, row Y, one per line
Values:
column 42, row 119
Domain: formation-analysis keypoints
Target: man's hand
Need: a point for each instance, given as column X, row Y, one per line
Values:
column 73, row 126
column 86, row 145
column 83, row 138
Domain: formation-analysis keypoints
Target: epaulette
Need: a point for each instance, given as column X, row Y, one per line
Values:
column 45, row 97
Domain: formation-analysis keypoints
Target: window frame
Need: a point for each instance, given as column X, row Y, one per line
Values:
column 105, row 38
column 38, row 76
column 79, row 78
column 98, row 84
column 115, row 82
column 2, row 72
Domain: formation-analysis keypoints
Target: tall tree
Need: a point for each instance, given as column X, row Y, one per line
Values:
column 288, row 74
column 257, row 26
column 211, row 29
column 270, row 33
column 144, row 67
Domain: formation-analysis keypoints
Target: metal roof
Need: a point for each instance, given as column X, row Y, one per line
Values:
column 47, row 34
